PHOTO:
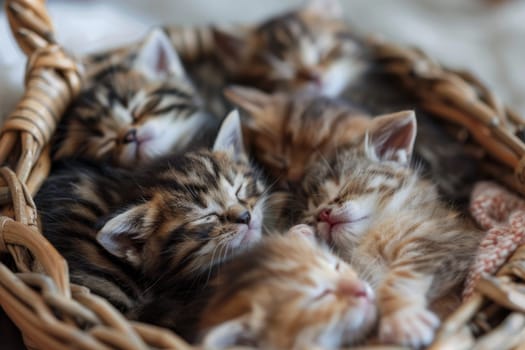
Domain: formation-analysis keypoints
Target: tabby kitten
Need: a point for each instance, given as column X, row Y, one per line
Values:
column 132, row 237
column 288, row 292
column 390, row 226
column 287, row 133
column 137, row 105
column 310, row 49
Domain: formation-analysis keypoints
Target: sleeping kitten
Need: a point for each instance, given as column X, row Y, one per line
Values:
column 288, row 292
column 390, row 225
column 287, row 133
column 310, row 49
column 130, row 237
column 137, row 105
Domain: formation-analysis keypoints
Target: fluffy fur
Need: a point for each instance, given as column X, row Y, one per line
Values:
column 288, row 292
column 161, row 232
column 439, row 153
column 389, row 224
column 138, row 104
column 287, row 133
column 310, row 49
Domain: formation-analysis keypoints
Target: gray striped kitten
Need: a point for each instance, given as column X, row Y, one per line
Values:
column 137, row 105
column 158, row 234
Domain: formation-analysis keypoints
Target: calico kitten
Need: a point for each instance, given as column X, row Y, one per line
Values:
column 137, row 105
column 310, row 49
column 286, row 133
column 389, row 224
column 288, row 292
column 131, row 237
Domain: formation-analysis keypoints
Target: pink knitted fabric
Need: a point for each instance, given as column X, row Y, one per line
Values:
column 502, row 214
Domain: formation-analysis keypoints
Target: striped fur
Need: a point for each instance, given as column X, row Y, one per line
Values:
column 287, row 133
column 137, row 237
column 192, row 43
column 390, row 225
column 288, row 292
column 138, row 104
column 310, row 49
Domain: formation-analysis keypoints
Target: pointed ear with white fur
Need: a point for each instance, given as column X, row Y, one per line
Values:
column 330, row 9
column 392, row 137
column 229, row 139
column 124, row 235
column 230, row 333
column 157, row 57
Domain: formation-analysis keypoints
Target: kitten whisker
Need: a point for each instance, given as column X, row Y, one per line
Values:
column 212, row 263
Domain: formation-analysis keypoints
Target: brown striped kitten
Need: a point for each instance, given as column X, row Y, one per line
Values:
column 136, row 106
column 286, row 133
column 288, row 292
column 389, row 224
column 134, row 236
column 310, row 49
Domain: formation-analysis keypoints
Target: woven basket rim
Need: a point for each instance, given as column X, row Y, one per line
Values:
column 38, row 289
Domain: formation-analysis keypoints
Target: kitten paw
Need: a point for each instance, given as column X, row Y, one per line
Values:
column 302, row 230
column 412, row 326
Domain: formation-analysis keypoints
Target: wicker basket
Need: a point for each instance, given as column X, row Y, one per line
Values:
column 51, row 313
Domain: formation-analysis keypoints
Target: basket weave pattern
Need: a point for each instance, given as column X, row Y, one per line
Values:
column 53, row 314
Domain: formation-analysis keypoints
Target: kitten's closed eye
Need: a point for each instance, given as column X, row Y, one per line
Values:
column 147, row 107
column 241, row 192
column 209, row 218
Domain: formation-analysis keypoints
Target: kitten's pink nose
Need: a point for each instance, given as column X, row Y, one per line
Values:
column 324, row 215
column 130, row 136
column 353, row 288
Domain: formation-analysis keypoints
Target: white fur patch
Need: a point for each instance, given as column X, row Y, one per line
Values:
column 339, row 75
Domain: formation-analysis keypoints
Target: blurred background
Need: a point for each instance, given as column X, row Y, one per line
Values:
column 483, row 36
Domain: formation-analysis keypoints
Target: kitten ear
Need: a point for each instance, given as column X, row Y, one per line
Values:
column 392, row 137
column 229, row 138
column 230, row 333
column 326, row 8
column 249, row 99
column 157, row 57
column 124, row 235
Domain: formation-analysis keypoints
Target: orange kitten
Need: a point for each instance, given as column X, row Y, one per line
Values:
column 288, row 292
column 389, row 224
column 287, row 133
